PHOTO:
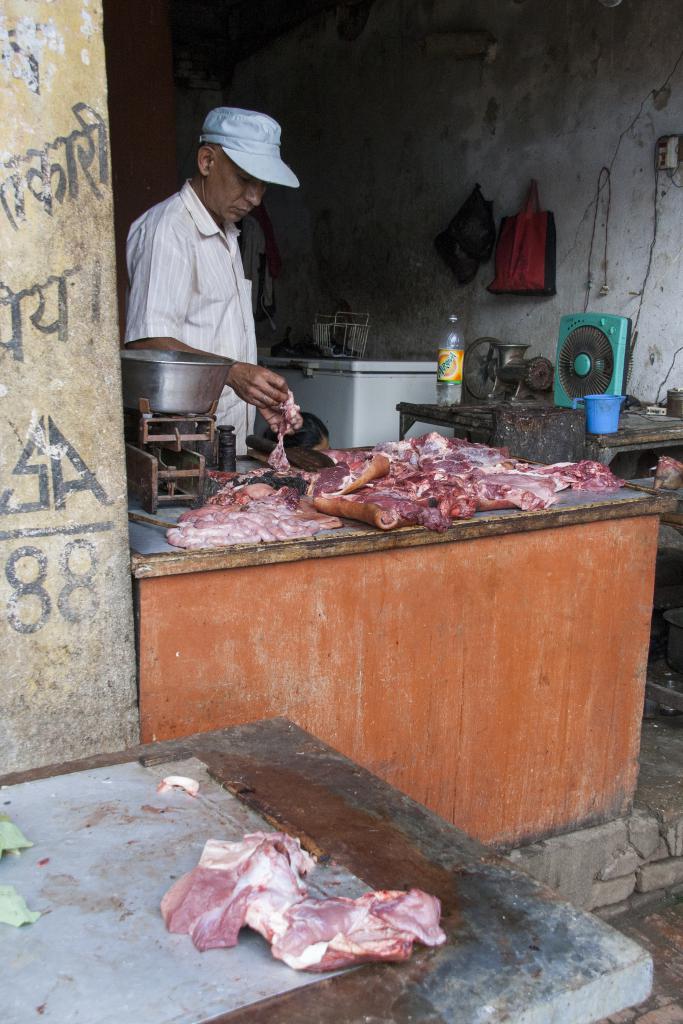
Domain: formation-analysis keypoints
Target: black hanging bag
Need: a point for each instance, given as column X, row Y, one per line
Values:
column 469, row 238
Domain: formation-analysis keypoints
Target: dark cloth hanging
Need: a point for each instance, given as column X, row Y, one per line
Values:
column 469, row 238
column 262, row 261
column 273, row 258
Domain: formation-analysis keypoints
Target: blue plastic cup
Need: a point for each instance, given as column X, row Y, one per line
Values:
column 602, row 412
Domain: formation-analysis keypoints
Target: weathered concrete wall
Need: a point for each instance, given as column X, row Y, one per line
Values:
column 68, row 676
column 388, row 136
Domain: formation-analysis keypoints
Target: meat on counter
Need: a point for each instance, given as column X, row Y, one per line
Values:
column 432, row 480
column 427, row 481
column 259, row 882
column 256, row 512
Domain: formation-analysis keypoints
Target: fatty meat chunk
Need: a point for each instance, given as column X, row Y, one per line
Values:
column 190, row 786
column 252, row 882
column 258, row 882
column 324, row 935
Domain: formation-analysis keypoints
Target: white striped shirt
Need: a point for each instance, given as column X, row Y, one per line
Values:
column 187, row 282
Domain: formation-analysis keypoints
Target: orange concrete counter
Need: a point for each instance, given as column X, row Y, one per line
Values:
column 497, row 676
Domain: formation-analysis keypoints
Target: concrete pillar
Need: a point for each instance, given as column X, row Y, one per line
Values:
column 67, row 683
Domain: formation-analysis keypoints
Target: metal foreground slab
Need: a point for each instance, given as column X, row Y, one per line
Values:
column 515, row 953
column 100, row 954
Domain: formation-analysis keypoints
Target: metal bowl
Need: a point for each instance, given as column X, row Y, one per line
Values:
column 172, row 382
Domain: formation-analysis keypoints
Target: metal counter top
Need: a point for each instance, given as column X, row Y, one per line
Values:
column 152, row 556
column 515, row 953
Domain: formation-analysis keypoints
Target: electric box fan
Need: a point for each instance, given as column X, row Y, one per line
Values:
column 592, row 356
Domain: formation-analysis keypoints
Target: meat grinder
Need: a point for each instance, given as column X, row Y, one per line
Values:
column 518, row 379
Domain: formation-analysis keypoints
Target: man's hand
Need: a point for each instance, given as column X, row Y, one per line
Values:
column 273, row 418
column 261, row 387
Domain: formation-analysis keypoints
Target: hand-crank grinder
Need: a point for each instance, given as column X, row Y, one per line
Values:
column 495, row 371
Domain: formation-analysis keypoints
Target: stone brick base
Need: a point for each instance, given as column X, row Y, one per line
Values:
column 611, row 868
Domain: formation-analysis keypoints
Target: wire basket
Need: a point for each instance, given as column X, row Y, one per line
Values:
column 341, row 334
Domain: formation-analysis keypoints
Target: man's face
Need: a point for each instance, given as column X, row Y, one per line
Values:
column 230, row 193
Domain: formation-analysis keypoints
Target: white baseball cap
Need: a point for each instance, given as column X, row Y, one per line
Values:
column 251, row 140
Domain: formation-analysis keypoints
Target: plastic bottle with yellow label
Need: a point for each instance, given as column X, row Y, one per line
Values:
column 449, row 365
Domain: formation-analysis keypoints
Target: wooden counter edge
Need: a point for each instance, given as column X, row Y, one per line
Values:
column 366, row 540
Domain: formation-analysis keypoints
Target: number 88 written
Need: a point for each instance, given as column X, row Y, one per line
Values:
column 30, row 604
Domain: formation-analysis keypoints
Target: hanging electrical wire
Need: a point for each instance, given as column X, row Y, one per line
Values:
column 604, row 180
column 636, row 117
column 668, row 373
column 653, row 242
column 671, row 175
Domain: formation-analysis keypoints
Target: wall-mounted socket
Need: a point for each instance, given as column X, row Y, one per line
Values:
column 668, row 149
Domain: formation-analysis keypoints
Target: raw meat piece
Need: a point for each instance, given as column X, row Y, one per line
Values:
column 408, row 510
column 340, row 480
column 433, row 448
column 192, row 895
column 332, row 479
column 525, row 491
column 252, row 527
column 242, row 497
column 244, row 519
column 222, row 855
column 583, row 476
column 458, row 477
column 432, row 480
column 324, row 935
column 259, row 882
column 669, row 473
column 554, row 473
column 385, row 509
column 190, row 786
column 368, row 511
column 422, row 464
column 267, row 886
column 277, row 459
column 399, row 451
column 433, row 444
column 219, row 927
column 231, row 495
column 297, row 479
column 376, row 468
column 456, row 499
column 248, row 882
column 354, row 458
column 413, row 911
column 258, row 490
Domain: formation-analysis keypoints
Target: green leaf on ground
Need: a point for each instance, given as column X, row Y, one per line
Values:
column 11, row 837
column 13, row 909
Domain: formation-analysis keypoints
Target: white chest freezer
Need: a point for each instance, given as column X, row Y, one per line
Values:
column 356, row 398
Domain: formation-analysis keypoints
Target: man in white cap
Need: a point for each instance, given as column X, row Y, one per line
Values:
column 187, row 285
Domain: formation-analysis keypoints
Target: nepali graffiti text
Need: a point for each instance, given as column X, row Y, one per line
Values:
column 56, row 171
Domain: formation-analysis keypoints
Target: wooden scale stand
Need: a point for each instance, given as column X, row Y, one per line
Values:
column 167, row 455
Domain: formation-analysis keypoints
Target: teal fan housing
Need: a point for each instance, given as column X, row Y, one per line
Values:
column 592, row 356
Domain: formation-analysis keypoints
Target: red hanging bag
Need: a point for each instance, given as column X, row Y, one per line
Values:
column 525, row 252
